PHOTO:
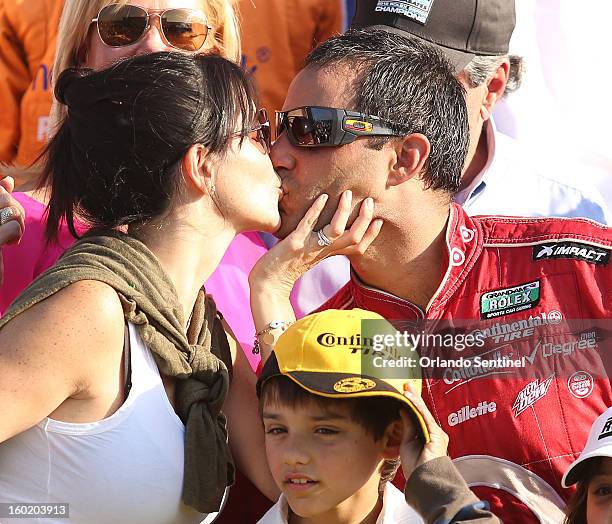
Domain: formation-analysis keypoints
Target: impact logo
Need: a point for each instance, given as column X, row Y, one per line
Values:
column 358, row 125
column 607, row 430
column 417, row 10
column 354, row 385
column 530, row 394
column 577, row 250
column 509, row 300
column 580, row 384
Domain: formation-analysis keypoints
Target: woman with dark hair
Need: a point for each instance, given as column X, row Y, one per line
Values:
column 165, row 156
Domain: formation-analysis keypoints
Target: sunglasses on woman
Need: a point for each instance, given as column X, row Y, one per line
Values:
column 314, row 126
column 260, row 132
column 122, row 25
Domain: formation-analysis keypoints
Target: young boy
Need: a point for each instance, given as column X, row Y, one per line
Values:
column 334, row 429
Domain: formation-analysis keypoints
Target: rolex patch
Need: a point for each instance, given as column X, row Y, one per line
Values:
column 509, row 300
column 417, row 10
column 586, row 252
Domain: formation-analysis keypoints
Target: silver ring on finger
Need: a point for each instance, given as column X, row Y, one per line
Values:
column 6, row 215
column 323, row 241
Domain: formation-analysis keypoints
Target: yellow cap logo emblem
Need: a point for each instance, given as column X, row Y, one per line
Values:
column 353, row 385
column 358, row 125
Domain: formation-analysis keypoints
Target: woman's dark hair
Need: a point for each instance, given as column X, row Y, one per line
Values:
column 113, row 159
column 576, row 509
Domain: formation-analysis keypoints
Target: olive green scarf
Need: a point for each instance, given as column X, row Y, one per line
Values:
column 150, row 302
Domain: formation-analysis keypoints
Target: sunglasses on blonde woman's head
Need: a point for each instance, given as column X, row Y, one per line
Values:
column 123, row 25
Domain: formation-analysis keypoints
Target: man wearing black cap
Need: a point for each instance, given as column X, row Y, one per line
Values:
column 499, row 177
column 383, row 115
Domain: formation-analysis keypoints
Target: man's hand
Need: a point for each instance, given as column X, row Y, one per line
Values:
column 412, row 451
column 12, row 218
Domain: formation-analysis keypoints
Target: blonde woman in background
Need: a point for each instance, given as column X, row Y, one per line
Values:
column 28, row 35
column 79, row 44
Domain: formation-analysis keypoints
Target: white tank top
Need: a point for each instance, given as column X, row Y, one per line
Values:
column 125, row 469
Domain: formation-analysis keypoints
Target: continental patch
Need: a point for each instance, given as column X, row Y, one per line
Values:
column 358, row 125
column 585, row 252
column 353, row 385
column 417, row 10
column 506, row 301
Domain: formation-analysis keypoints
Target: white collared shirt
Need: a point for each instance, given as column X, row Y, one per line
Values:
column 510, row 184
column 395, row 510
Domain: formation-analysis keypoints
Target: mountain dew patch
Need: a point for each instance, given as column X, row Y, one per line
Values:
column 505, row 301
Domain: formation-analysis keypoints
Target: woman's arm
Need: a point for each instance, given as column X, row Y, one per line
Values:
column 246, row 434
column 53, row 350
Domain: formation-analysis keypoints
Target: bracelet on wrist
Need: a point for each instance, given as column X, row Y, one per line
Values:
column 270, row 334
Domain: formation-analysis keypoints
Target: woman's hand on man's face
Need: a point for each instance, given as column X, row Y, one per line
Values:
column 304, row 248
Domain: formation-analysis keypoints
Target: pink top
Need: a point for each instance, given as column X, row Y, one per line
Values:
column 228, row 284
column 31, row 257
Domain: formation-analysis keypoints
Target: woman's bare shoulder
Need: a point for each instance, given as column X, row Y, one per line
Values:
column 55, row 350
column 83, row 315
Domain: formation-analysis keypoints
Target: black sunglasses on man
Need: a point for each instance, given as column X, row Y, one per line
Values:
column 315, row 126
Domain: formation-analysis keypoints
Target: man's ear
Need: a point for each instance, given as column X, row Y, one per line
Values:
column 197, row 169
column 412, row 152
column 496, row 85
column 392, row 439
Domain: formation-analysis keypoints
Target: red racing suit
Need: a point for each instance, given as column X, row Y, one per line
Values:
column 512, row 436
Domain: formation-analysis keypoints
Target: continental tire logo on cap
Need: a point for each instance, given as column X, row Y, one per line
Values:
column 354, row 385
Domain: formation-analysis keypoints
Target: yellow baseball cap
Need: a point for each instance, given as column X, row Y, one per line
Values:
column 341, row 354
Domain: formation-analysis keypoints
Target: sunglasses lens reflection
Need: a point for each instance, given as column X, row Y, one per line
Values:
column 185, row 29
column 301, row 130
column 121, row 25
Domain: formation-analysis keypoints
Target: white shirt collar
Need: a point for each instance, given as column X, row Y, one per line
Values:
column 477, row 185
column 395, row 510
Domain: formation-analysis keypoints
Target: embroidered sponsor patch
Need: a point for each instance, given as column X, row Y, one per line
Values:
column 353, row 385
column 417, row 10
column 505, row 301
column 585, row 252
column 580, row 384
column 530, row 394
column 468, row 412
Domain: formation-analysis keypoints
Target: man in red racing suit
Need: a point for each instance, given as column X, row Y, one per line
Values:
column 535, row 290
column 511, row 438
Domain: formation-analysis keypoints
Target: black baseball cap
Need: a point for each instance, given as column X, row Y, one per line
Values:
column 461, row 29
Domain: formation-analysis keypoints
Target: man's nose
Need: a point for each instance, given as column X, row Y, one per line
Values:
column 282, row 154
